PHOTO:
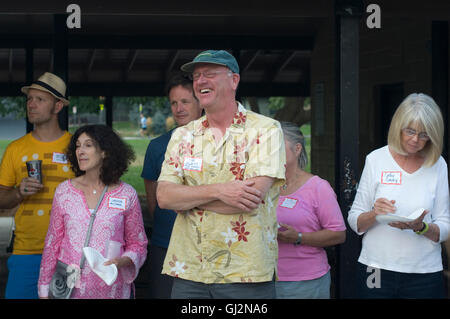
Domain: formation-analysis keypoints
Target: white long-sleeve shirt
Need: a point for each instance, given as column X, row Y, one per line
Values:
column 390, row 248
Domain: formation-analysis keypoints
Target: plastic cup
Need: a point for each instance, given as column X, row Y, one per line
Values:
column 34, row 169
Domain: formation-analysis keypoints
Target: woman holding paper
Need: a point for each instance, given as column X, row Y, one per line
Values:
column 98, row 158
column 402, row 207
column 310, row 219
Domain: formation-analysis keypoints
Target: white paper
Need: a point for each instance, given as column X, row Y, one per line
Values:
column 390, row 218
column 416, row 214
column 96, row 261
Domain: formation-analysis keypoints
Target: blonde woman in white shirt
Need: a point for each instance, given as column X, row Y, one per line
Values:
column 402, row 258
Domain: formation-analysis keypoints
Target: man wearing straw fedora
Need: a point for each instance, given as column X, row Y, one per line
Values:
column 47, row 143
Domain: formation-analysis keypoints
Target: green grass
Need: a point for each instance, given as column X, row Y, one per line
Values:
column 133, row 175
column 126, row 129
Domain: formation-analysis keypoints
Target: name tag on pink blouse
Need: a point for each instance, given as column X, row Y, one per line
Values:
column 117, row 203
column 289, row 203
column 391, row 177
column 193, row 164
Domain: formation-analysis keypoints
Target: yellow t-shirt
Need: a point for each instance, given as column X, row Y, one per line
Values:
column 33, row 215
column 210, row 247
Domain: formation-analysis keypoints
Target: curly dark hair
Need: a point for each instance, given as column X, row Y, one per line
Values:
column 118, row 154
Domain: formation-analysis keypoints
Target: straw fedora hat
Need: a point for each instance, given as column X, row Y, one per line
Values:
column 48, row 82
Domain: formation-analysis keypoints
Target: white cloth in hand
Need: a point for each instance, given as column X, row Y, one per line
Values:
column 96, row 261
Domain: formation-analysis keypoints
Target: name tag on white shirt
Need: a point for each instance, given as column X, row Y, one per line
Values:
column 193, row 164
column 289, row 203
column 59, row 158
column 391, row 177
column 117, row 203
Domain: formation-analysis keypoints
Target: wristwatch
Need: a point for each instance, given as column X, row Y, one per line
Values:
column 299, row 240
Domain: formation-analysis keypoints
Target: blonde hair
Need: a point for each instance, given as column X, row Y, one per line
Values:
column 420, row 110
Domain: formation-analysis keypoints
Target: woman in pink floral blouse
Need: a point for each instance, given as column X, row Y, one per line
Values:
column 98, row 157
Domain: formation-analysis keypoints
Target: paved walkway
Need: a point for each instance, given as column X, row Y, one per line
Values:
column 11, row 129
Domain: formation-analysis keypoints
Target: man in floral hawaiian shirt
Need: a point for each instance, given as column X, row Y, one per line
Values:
column 222, row 175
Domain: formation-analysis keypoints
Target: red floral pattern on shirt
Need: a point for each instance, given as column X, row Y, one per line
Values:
column 186, row 149
column 175, row 161
column 239, row 118
column 239, row 228
column 238, row 170
column 177, row 266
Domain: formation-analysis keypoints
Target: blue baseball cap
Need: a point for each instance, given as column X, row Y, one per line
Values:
column 220, row 57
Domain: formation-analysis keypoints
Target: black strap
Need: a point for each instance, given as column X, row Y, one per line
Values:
column 48, row 87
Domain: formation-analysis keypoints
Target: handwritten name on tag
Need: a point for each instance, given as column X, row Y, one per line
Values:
column 289, row 203
column 59, row 158
column 391, row 177
column 193, row 164
column 117, row 203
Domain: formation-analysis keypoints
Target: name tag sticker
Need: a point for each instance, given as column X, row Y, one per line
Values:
column 289, row 203
column 391, row 177
column 193, row 164
column 59, row 158
column 117, row 203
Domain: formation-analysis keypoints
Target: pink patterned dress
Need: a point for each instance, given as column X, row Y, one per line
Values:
column 119, row 220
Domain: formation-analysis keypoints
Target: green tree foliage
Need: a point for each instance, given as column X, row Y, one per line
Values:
column 158, row 123
column 276, row 103
column 150, row 104
column 86, row 104
column 15, row 105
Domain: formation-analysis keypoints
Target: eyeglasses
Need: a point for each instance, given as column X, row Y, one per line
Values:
column 410, row 132
column 209, row 74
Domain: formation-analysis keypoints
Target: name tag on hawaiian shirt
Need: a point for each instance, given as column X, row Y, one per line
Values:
column 289, row 202
column 59, row 158
column 193, row 164
column 391, row 177
column 117, row 203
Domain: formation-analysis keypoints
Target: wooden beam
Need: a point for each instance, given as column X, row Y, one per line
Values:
column 29, row 77
column 91, row 60
column 276, row 68
column 10, row 65
column 61, row 60
column 157, row 89
column 247, row 59
column 131, row 58
column 172, row 59
column 348, row 15
column 439, row 74
column 280, row 8
column 200, row 42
